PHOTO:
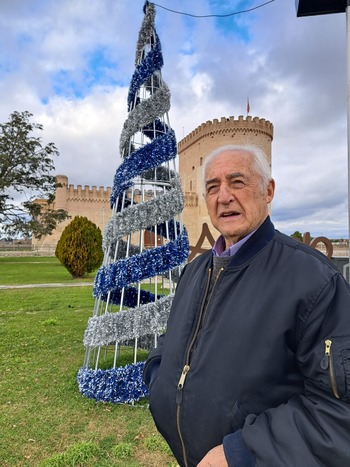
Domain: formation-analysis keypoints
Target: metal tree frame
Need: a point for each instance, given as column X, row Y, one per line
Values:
column 145, row 242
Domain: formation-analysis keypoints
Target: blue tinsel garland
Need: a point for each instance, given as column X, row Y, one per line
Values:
column 132, row 296
column 152, row 62
column 161, row 149
column 150, row 263
column 118, row 385
column 155, row 128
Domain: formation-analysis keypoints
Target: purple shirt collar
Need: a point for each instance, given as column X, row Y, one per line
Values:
column 219, row 246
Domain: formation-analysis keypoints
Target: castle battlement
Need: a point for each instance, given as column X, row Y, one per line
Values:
column 90, row 202
column 80, row 193
column 229, row 125
column 88, row 194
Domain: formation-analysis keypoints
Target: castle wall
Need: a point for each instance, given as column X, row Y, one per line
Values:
column 93, row 202
column 195, row 147
column 90, row 202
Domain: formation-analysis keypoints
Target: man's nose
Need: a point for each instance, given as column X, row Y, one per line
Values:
column 226, row 194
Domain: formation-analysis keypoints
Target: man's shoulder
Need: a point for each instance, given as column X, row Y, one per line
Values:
column 304, row 252
column 297, row 244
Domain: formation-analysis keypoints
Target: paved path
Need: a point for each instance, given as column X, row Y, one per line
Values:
column 65, row 284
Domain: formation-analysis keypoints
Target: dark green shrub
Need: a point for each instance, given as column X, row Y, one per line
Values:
column 297, row 236
column 80, row 247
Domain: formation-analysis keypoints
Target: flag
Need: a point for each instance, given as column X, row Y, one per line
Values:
column 248, row 106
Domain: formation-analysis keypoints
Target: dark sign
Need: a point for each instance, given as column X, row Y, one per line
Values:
column 320, row 7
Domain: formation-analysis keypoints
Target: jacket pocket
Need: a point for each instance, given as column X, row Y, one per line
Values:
column 336, row 365
column 238, row 416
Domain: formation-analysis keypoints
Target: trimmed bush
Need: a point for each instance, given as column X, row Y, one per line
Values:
column 80, row 247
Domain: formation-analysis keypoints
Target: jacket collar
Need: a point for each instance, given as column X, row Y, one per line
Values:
column 263, row 235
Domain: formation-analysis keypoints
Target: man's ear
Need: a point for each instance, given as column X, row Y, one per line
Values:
column 270, row 190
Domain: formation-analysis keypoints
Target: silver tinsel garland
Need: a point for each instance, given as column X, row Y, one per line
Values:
column 146, row 30
column 150, row 109
column 144, row 214
column 128, row 324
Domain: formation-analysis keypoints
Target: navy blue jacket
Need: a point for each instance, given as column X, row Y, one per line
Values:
column 265, row 367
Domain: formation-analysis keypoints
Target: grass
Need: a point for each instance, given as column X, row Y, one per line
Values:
column 36, row 270
column 44, row 420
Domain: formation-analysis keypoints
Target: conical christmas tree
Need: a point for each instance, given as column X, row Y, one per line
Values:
column 145, row 242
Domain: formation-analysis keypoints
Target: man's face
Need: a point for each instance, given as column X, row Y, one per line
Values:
column 236, row 202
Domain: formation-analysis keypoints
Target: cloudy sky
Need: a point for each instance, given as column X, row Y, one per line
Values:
column 70, row 62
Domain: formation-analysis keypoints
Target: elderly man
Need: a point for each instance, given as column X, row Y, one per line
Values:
column 254, row 368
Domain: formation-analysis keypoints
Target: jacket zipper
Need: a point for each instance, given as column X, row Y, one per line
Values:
column 186, row 368
column 328, row 355
column 180, row 386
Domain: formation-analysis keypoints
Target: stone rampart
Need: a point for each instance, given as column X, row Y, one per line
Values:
column 90, row 202
column 214, row 128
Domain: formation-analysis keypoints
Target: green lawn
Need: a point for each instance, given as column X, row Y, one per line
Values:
column 45, row 421
column 35, row 270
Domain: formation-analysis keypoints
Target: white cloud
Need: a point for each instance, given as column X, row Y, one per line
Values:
column 86, row 133
column 292, row 69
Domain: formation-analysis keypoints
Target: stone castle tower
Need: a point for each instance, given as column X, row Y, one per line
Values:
column 196, row 146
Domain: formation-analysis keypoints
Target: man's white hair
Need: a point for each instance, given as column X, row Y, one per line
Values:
column 260, row 161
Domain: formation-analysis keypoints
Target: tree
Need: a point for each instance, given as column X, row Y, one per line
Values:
column 297, row 236
column 80, row 247
column 26, row 168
